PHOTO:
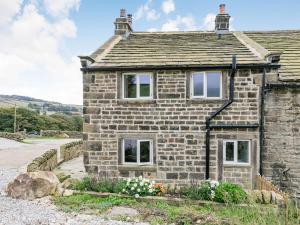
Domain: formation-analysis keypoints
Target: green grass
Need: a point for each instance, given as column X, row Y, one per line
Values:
column 160, row 212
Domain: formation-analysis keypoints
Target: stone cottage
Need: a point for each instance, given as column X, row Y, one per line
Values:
column 181, row 107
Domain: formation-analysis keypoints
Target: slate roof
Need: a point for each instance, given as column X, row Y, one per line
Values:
column 287, row 42
column 196, row 48
column 176, row 48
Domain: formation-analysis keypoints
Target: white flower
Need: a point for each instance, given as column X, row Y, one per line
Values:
column 140, row 177
column 135, row 185
column 123, row 190
column 153, row 182
column 150, row 190
column 138, row 190
column 142, row 183
column 212, row 194
column 128, row 180
column 214, row 183
column 132, row 188
column 136, row 195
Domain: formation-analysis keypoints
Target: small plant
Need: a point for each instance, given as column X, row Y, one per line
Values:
column 140, row 186
column 229, row 193
column 100, row 185
column 204, row 191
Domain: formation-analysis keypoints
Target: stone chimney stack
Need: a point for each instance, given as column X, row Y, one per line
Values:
column 123, row 23
column 222, row 21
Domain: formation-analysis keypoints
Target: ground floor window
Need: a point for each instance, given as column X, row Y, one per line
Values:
column 137, row 151
column 236, row 152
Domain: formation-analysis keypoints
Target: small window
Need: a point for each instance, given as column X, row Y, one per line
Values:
column 206, row 85
column 137, row 86
column 137, row 151
column 236, row 152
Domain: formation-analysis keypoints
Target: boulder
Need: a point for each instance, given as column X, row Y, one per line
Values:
column 69, row 182
column 266, row 196
column 33, row 185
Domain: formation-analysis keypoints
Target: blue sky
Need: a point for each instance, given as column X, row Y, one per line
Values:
column 41, row 39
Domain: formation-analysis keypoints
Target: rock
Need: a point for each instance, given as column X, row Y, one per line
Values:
column 257, row 196
column 33, row 185
column 266, row 196
column 273, row 197
column 62, row 177
column 69, row 182
column 63, row 135
column 68, row 192
column 123, row 211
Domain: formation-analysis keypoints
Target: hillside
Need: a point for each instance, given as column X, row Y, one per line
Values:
column 39, row 105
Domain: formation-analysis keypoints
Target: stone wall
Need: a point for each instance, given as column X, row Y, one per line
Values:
column 176, row 122
column 45, row 162
column 70, row 150
column 282, row 139
column 59, row 133
column 12, row 136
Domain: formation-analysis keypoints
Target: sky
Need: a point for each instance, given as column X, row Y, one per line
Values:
column 41, row 39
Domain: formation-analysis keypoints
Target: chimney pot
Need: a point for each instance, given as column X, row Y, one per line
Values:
column 222, row 9
column 122, row 13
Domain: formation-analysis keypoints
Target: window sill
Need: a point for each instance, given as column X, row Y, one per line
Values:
column 205, row 100
column 150, row 168
column 136, row 101
column 236, row 165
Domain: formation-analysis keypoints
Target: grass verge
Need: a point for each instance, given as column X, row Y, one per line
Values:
column 159, row 212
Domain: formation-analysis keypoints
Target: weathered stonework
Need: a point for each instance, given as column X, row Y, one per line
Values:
column 176, row 121
column 282, row 139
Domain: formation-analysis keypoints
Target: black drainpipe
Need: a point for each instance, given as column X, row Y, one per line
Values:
column 207, row 122
column 261, row 123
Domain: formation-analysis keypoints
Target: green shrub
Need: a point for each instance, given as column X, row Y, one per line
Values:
column 100, row 185
column 230, row 193
column 204, row 191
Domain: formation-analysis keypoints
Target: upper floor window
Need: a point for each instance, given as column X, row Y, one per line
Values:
column 136, row 151
column 236, row 152
column 137, row 86
column 206, row 85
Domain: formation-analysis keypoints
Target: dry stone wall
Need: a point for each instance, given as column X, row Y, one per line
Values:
column 176, row 121
column 12, row 136
column 70, row 150
column 45, row 162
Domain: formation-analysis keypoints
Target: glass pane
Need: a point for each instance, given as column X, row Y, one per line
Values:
column 213, row 84
column 144, row 85
column 130, row 86
column 144, row 151
column 229, row 151
column 243, row 151
column 198, row 80
column 130, row 150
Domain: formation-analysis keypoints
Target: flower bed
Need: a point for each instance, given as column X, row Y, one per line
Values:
column 140, row 186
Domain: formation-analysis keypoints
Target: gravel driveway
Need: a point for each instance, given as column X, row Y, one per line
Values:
column 14, row 157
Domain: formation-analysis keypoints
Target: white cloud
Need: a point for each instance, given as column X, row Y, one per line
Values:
column 209, row 22
column 168, row 6
column 152, row 29
column 185, row 23
column 32, row 63
column 61, row 7
column 8, row 9
column 147, row 12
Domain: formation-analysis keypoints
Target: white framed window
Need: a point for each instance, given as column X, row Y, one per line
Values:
column 236, row 152
column 137, row 86
column 137, row 151
column 206, row 85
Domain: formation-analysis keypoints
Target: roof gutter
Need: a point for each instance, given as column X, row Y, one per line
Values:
column 178, row 67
